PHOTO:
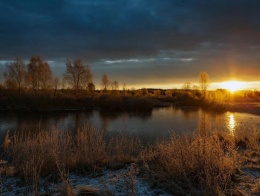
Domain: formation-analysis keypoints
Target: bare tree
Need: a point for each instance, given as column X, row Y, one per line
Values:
column 168, row 93
column 33, row 72
column 10, row 84
column 45, row 76
column 124, row 87
column 56, row 83
column 195, row 87
column 63, row 83
column 89, row 76
column 105, row 82
column 15, row 73
column 204, row 82
column 77, row 74
column 91, row 87
column 114, row 85
column 186, row 86
column 39, row 73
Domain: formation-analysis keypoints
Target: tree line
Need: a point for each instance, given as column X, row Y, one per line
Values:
column 37, row 75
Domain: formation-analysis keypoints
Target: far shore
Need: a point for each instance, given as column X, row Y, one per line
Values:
column 250, row 108
column 127, row 101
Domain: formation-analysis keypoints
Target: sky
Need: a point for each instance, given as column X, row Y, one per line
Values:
column 143, row 43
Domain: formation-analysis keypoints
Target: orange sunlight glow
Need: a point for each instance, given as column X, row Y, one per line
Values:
column 233, row 86
column 231, row 124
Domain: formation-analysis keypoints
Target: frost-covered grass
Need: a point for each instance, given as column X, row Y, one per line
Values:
column 104, row 182
column 54, row 152
column 193, row 163
column 59, row 162
column 206, row 164
column 86, row 150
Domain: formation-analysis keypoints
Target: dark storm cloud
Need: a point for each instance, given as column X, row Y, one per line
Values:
column 213, row 32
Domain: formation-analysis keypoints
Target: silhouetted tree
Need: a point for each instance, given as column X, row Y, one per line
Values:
column 77, row 74
column 114, row 85
column 124, row 89
column 10, row 84
column 105, row 82
column 168, row 93
column 157, row 92
column 144, row 91
column 203, row 80
column 89, row 76
column 39, row 73
column 56, row 83
column 195, row 87
column 33, row 74
column 45, row 76
column 63, row 83
column 186, row 86
column 91, row 87
column 15, row 74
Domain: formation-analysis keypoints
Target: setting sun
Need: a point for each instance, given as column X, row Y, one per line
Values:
column 233, row 86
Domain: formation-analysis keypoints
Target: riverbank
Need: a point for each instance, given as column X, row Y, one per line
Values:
column 67, row 100
column 246, row 107
column 55, row 161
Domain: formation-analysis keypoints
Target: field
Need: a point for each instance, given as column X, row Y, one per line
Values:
column 212, row 163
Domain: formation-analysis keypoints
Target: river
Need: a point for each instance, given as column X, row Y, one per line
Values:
column 149, row 126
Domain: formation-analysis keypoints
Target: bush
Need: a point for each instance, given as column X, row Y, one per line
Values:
column 86, row 150
column 188, row 163
column 117, row 103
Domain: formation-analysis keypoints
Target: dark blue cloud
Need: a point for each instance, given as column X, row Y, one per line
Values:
column 126, row 26
column 112, row 30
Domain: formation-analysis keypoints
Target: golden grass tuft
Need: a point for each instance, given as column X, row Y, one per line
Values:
column 54, row 151
column 188, row 163
column 87, row 149
column 208, row 164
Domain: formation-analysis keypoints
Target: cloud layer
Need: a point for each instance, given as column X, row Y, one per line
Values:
column 139, row 40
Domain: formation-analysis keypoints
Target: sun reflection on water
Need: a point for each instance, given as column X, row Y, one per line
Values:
column 231, row 124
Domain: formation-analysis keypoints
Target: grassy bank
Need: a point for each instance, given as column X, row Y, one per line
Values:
column 53, row 153
column 134, row 100
column 192, row 164
column 195, row 164
column 68, row 100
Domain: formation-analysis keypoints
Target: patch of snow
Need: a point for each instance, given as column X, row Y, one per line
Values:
column 253, row 172
column 119, row 182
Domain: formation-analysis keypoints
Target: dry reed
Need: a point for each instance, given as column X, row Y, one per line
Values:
column 200, row 164
column 192, row 163
column 46, row 152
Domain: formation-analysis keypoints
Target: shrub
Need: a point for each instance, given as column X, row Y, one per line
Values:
column 187, row 163
column 86, row 150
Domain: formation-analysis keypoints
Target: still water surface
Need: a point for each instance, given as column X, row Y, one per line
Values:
column 149, row 126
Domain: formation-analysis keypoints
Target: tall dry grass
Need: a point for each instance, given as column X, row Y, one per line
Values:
column 42, row 154
column 186, row 164
column 87, row 148
column 197, row 164
column 248, row 143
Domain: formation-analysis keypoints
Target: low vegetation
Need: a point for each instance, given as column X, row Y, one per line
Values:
column 134, row 100
column 194, row 163
column 197, row 164
column 86, row 150
column 33, row 86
